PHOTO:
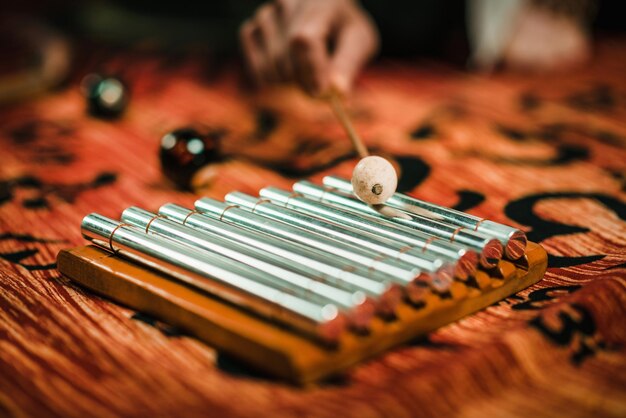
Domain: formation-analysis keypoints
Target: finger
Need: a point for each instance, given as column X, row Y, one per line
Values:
column 284, row 64
column 285, row 9
column 310, row 64
column 356, row 43
column 251, row 50
column 270, row 41
column 308, row 35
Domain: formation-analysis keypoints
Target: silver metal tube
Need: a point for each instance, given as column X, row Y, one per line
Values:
column 354, row 305
column 258, row 233
column 436, row 272
column 490, row 249
column 215, row 275
column 513, row 240
column 466, row 259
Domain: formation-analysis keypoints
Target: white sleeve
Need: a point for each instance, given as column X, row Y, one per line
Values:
column 489, row 25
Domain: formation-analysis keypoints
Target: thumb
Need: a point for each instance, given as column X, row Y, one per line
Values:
column 357, row 42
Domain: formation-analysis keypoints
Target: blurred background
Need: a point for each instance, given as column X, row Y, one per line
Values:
column 42, row 41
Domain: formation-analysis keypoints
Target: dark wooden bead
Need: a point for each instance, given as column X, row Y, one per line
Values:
column 184, row 151
column 107, row 97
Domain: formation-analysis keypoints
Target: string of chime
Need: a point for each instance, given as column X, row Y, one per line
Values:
column 314, row 259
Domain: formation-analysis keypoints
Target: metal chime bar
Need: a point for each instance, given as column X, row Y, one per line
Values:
column 216, row 275
column 513, row 240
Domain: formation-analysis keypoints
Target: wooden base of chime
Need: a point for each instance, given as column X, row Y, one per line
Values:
column 269, row 347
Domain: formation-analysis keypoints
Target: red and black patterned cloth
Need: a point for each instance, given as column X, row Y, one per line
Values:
column 546, row 154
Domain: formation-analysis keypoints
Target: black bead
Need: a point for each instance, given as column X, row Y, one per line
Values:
column 107, row 97
column 184, row 151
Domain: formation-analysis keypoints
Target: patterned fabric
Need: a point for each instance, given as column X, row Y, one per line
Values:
column 545, row 154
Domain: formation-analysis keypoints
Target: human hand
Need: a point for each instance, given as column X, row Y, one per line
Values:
column 543, row 41
column 320, row 44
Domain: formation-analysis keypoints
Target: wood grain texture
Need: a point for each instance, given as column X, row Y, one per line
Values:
column 546, row 154
column 273, row 349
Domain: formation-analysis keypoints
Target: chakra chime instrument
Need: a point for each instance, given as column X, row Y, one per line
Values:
column 305, row 283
